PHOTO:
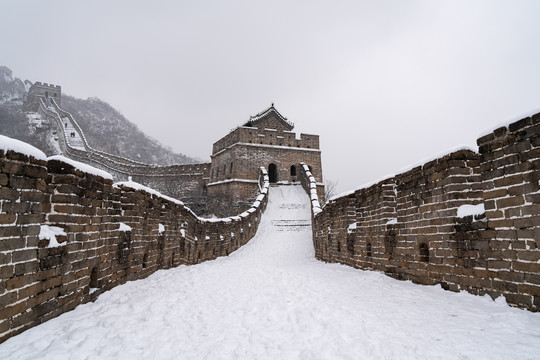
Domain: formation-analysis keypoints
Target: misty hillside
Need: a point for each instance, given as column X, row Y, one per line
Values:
column 104, row 127
column 108, row 130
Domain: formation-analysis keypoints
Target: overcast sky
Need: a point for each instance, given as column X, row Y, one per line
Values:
column 384, row 83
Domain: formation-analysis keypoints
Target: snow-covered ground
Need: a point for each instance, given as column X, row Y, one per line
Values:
column 272, row 300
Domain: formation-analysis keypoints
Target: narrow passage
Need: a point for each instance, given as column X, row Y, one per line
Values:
column 272, row 300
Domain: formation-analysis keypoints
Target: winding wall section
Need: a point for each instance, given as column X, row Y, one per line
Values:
column 113, row 233
column 186, row 182
column 407, row 226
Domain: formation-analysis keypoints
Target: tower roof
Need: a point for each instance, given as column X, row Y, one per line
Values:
column 268, row 113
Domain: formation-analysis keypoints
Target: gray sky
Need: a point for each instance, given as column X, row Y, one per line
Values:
column 384, row 83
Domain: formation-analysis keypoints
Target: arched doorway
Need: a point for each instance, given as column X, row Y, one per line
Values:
column 272, row 173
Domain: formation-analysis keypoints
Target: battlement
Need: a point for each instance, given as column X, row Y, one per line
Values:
column 467, row 221
column 111, row 233
column 37, row 83
column 252, row 135
column 42, row 91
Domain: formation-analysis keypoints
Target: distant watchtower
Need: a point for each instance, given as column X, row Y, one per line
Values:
column 45, row 92
column 265, row 140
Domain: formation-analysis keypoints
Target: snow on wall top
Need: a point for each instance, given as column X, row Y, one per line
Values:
column 405, row 169
column 510, row 120
column 7, row 144
column 264, row 190
column 82, row 166
column 315, row 205
column 136, row 186
column 436, row 156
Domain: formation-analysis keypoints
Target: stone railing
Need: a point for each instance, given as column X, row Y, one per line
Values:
column 310, row 186
column 67, row 236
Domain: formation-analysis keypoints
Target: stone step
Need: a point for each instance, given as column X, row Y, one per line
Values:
column 290, row 225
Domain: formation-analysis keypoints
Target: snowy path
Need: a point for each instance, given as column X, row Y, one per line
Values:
column 273, row 300
column 72, row 134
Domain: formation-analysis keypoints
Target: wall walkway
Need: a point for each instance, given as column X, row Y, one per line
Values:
column 106, row 234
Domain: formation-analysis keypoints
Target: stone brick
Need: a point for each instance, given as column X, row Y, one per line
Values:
column 7, row 299
column 518, row 299
column 497, row 193
column 23, row 255
column 18, row 282
column 33, row 171
column 526, row 267
column 4, row 179
column 29, row 291
column 15, row 207
column 26, row 268
column 33, row 196
column 485, row 139
column 9, row 311
column 19, row 182
column 527, row 222
column 7, row 218
column 12, row 167
column 509, row 180
column 6, row 271
column 511, row 201
column 520, row 124
column 7, row 243
column 8, row 194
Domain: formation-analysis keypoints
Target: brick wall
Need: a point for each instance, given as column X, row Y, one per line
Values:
column 266, row 136
column 39, row 282
column 407, row 226
column 42, row 91
column 229, row 188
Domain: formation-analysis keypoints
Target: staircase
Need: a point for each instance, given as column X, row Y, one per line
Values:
column 73, row 137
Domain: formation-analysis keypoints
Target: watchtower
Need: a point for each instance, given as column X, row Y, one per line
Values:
column 265, row 140
column 45, row 92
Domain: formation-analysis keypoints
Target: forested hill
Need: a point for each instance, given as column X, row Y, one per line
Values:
column 108, row 130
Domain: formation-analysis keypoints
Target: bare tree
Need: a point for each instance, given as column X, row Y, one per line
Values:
column 330, row 187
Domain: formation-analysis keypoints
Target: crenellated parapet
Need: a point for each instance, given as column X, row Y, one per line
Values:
column 271, row 137
column 467, row 221
column 42, row 92
column 68, row 235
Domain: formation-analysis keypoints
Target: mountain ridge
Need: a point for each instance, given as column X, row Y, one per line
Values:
column 104, row 127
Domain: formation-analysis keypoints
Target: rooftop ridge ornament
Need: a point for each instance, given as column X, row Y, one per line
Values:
column 264, row 113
